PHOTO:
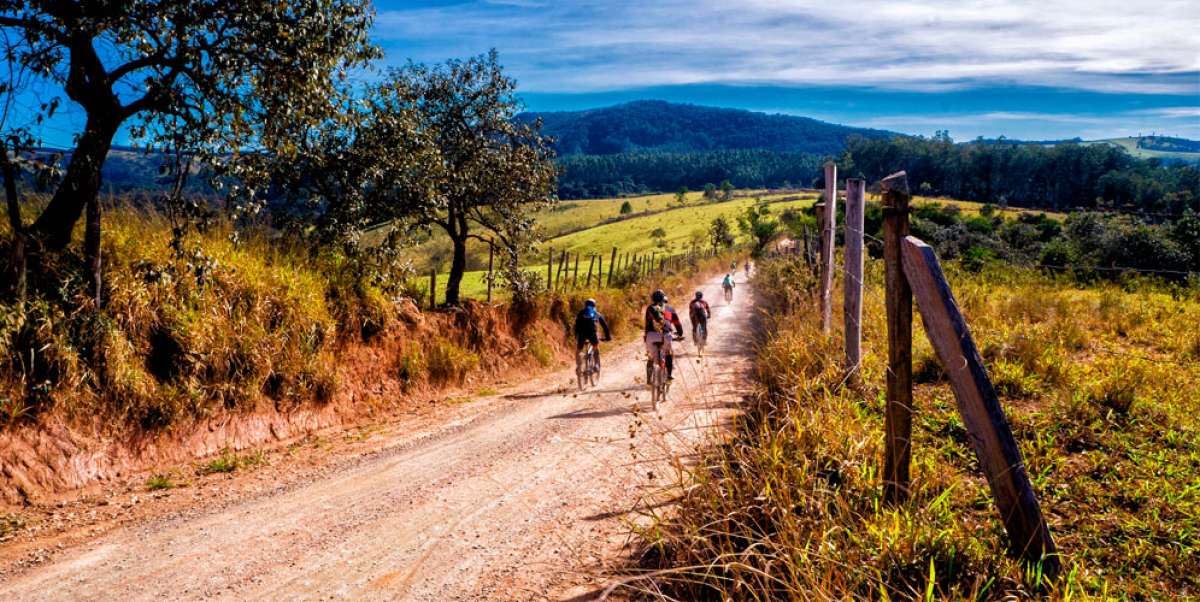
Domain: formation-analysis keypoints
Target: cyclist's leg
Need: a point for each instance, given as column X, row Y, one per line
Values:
column 596, row 353
column 670, row 356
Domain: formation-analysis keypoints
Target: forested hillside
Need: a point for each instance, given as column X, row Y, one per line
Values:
column 664, row 126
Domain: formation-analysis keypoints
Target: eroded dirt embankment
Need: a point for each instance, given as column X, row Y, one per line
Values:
column 55, row 456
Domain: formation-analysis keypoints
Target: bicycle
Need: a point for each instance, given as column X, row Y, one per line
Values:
column 657, row 379
column 587, row 369
column 700, row 337
column 728, row 294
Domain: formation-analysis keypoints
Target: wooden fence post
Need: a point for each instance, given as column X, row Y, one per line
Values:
column 591, row 264
column 828, row 224
column 491, row 275
column 612, row 263
column 550, row 271
column 980, row 408
column 564, row 266
column 432, row 288
column 600, row 271
column 575, row 275
column 898, row 299
column 853, row 285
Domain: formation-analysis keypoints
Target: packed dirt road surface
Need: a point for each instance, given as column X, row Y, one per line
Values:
column 526, row 495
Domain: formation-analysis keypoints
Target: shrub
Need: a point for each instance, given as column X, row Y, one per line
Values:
column 626, row 208
column 449, row 362
column 541, row 352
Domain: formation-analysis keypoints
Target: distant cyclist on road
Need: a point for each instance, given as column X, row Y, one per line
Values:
column 585, row 329
column 661, row 319
column 699, row 313
column 727, row 284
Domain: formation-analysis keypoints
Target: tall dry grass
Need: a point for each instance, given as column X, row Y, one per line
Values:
column 1098, row 383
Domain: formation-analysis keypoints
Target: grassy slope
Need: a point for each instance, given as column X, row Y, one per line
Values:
column 630, row 235
column 1098, row 383
column 1130, row 145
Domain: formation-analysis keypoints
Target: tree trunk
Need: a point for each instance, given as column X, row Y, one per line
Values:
column 80, row 185
column 458, row 265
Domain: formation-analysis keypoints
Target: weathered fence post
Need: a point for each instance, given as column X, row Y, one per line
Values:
column 612, row 263
column 980, row 408
column 575, row 274
column 432, row 288
column 564, row 267
column 600, row 271
column 853, row 285
column 550, row 271
column 898, row 298
column 491, row 275
column 591, row 265
column 828, row 224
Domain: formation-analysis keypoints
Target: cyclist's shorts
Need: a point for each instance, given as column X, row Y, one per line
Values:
column 594, row 340
column 656, row 337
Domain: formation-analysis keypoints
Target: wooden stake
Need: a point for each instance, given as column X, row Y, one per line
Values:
column 432, row 288
column 575, row 273
column 550, row 271
column 980, row 408
column 827, row 248
column 898, row 299
column 852, row 287
column 612, row 263
column 491, row 277
column 591, row 264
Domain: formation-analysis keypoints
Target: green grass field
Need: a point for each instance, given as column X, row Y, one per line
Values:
column 1130, row 145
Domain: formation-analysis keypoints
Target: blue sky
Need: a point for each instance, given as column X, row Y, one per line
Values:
column 1034, row 70
column 1040, row 69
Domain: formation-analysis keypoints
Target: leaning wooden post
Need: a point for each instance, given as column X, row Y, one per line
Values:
column 980, row 408
column 853, row 285
column 898, row 298
column 591, row 264
column 433, row 288
column 828, row 224
column 550, row 271
column 612, row 263
column 600, row 271
column 491, row 275
column 575, row 273
column 564, row 266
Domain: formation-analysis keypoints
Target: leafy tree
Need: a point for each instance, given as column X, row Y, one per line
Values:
column 681, row 195
column 660, row 236
column 726, row 190
column 626, row 208
column 757, row 223
column 720, row 235
column 208, row 76
column 710, row 192
column 486, row 170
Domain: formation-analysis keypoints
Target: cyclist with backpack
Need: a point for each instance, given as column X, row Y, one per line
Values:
column 586, row 332
column 727, row 284
column 699, row 313
column 661, row 319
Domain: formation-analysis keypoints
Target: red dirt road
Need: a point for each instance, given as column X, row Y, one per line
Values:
column 528, row 495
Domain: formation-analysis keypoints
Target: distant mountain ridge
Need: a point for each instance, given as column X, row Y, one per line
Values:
column 656, row 125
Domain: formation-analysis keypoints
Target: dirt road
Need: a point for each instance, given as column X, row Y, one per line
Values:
column 528, row 495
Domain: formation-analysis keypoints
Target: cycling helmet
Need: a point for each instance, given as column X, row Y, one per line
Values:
column 658, row 296
column 589, row 303
column 699, row 294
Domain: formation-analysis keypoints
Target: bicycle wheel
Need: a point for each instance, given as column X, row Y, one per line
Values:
column 593, row 367
column 580, row 367
column 701, row 338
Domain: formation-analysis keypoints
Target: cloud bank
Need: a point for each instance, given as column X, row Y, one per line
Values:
column 575, row 45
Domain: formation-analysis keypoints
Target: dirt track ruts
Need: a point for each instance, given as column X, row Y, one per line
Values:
column 529, row 498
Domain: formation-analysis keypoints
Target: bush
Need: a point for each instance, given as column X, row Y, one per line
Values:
column 448, row 362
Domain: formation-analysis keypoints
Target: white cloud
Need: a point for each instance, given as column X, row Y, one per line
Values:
column 575, row 45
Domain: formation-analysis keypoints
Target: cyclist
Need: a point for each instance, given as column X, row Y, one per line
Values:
column 699, row 313
column 661, row 319
column 585, row 329
column 747, row 268
column 727, row 284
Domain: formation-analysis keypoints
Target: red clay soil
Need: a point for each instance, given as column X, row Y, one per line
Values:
column 525, row 494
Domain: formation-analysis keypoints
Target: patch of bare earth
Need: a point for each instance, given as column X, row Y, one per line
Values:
column 525, row 495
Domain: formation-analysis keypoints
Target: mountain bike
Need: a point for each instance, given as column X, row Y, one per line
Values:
column 587, row 369
column 728, row 294
column 656, row 376
column 700, row 337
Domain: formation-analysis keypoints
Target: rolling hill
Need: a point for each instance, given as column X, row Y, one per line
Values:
column 655, row 125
